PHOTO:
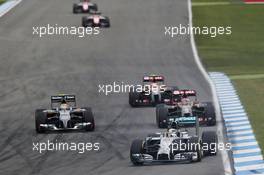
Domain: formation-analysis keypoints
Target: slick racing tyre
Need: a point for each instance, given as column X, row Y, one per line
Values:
column 161, row 116
column 196, row 146
column 107, row 22
column 136, row 148
column 84, row 23
column 40, row 118
column 75, row 9
column 133, row 97
column 210, row 114
column 88, row 118
column 107, row 25
column 94, row 8
column 210, row 141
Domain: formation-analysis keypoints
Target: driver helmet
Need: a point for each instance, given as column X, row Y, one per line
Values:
column 185, row 101
column 64, row 105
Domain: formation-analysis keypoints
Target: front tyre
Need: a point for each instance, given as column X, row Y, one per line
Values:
column 136, row 148
column 84, row 23
column 88, row 118
column 40, row 118
column 75, row 9
column 196, row 147
column 133, row 98
column 209, row 138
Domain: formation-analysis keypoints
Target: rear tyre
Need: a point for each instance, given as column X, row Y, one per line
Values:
column 136, row 148
column 89, row 118
column 40, row 118
column 210, row 114
column 209, row 138
column 161, row 116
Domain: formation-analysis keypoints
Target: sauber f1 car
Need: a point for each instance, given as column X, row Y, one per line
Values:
column 84, row 6
column 64, row 115
column 151, row 94
column 96, row 20
column 183, row 103
column 174, row 145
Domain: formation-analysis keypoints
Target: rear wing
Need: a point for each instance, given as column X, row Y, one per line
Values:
column 153, row 78
column 183, row 121
column 63, row 98
column 186, row 93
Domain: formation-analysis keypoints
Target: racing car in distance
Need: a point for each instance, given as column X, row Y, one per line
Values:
column 174, row 145
column 152, row 92
column 184, row 103
column 84, row 6
column 96, row 20
column 64, row 115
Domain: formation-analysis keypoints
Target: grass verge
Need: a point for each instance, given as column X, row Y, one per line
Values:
column 2, row 1
column 239, row 55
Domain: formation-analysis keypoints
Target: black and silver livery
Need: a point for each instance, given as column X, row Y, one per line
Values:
column 64, row 115
column 174, row 145
column 96, row 20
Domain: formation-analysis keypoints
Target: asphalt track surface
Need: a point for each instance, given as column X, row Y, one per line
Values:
column 32, row 69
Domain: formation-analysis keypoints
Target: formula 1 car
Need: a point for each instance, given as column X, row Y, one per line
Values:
column 64, row 115
column 168, row 97
column 151, row 94
column 84, row 6
column 181, row 105
column 174, row 145
column 96, row 20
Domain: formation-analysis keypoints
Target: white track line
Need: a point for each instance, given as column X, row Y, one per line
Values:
column 220, row 128
column 13, row 3
column 210, row 3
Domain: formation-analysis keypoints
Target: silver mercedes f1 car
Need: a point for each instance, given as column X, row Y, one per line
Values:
column 64, row 115
column 174, row 145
